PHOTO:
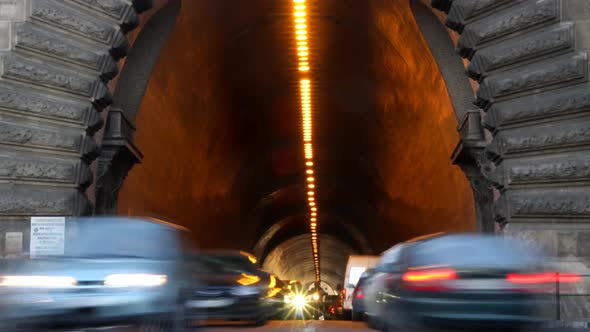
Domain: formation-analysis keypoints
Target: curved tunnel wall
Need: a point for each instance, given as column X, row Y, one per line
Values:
column 289, row 260
column 197, row 128
column 425, row 192
column 185, row 135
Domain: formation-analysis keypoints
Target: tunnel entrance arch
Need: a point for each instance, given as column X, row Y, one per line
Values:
column 526, row 61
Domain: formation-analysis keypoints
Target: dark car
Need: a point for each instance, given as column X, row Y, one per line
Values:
column 332, row 307
column 228, row 286
column 457, row 282
column 358, row 296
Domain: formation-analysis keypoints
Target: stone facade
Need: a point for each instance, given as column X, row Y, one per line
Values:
column 56, row 59
column 530, row 60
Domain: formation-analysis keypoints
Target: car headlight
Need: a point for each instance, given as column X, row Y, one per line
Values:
column 287, row 299
column 135, row 280
column 37, row 281
column 245, row 291
column 315, row 296
column 299, row 301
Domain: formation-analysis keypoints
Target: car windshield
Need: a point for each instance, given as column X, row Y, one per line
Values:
column 224, row 264
column 118, row 239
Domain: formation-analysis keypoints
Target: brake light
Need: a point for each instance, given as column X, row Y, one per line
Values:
column 359, row 293
column 429, row 275
column 542, row 278
column 433, row 280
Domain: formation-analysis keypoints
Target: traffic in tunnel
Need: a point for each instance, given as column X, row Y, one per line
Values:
column 220, row 127
column 305, row 159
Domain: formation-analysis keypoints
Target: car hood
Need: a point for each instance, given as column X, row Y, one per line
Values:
column 80, row 269
column 214, row 280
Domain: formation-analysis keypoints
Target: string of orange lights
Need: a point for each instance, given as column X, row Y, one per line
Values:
column 305, row 90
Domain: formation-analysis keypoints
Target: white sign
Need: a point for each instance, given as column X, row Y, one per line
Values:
column 13, row 243
column 47, row 236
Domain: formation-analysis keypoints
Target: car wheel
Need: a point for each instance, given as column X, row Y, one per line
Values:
column 374, row 323
column 260, row 322
column 156, row 324
column 356, row 316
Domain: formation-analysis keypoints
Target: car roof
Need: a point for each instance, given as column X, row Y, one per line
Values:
column 102, row 220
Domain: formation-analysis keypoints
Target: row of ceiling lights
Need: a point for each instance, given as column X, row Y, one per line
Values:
column 305, row 89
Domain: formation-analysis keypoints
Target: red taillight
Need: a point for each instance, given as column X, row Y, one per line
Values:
column 433, row 280
column 429, row 275
column 542, row 278
column 359, row 293
column 332, row 309
column 569, row 277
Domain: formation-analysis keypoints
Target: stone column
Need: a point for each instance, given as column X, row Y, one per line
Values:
column 118, row 156
column 469, row 155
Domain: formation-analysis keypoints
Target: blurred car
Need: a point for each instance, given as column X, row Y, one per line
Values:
column 114, row 269
column 461, row 282
column 358, row 296
column 332, row 307
column 229, row 286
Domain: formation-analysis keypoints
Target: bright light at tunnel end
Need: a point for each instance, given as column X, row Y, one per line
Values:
column 304, row 54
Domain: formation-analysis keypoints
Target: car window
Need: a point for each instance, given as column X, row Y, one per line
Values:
column 472, row 251
column 217, row 264
column 105, row 239
column 391, row 258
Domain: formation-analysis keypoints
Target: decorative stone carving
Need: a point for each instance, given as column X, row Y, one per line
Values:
column 519, row 143
column 19, row 200
column 21, row 135
column 59, row 16
column 113, row 8
column 552, row 104
column 27, row 102
column 470, row 157
column 49, row 74
column 120, row 10
column 118, row 156
column 530, row 13
column 551, row 171
column 33, row 39
column 547, row 203
column 540, row 172
column 564, row 69
column 463, row 10
column 22, row 70
column 90, row 149
column 534, row 44
column 20, row 169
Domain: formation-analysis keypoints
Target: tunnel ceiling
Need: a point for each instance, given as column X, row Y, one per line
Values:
column 222, row 104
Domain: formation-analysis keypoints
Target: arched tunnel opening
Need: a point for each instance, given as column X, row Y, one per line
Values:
column 212, row 90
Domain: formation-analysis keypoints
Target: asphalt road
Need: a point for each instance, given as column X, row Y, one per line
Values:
column 282, row 326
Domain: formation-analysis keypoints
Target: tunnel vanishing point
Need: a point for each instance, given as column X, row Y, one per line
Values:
column 442, row 115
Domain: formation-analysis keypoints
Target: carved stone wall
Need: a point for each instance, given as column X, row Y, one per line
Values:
column 57, row 57
column 529, row 58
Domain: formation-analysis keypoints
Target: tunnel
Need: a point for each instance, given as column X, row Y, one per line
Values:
column 428, row 116
column 219, row 127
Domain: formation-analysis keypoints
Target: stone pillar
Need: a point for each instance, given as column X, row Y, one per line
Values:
column 469, row 155
column 118, row 156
